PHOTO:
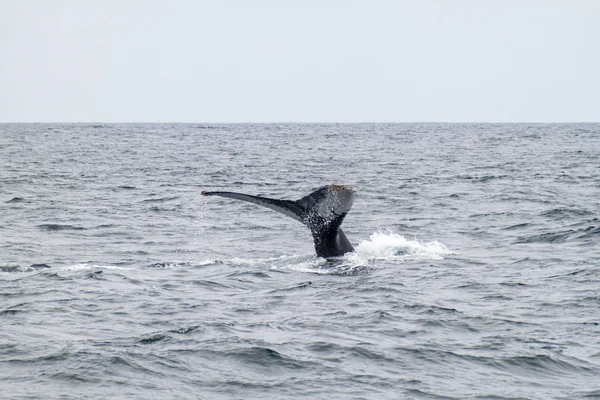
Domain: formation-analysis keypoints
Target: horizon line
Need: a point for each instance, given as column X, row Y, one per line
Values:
column 299, row 123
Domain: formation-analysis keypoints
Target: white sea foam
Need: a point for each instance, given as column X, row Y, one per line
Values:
column 386, row 245
column 85, row 266
column 383, row 245
column 204, row 262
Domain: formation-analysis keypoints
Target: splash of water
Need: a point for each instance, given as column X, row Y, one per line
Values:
column 383, row 245
column 386, row 245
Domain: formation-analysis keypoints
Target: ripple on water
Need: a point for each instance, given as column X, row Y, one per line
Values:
column 475, row 273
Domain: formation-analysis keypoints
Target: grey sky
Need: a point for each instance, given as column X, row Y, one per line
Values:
column 299, row 61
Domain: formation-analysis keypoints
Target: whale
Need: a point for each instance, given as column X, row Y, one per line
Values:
column 322, row 211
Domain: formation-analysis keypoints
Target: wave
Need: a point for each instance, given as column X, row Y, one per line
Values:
column 265, row 358
column 59, row 227
column 16, row 200
column 482, row 178
column 566, row 212
column 589, row 234
column 160, row 199
column 181, row 264
column 23, row 268
column 86, row 266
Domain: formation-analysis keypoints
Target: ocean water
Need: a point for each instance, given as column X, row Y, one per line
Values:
column 476, row 273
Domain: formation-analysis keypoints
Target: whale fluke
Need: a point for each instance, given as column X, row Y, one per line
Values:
column 322, row 212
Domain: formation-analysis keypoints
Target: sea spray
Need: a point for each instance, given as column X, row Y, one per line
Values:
column 389, row 245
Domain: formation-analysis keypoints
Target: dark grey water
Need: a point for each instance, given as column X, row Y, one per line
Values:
column 476, row 272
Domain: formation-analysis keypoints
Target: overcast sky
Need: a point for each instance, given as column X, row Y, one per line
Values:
column 299, row 61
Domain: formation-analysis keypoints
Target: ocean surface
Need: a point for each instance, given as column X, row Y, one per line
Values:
column 476, row 273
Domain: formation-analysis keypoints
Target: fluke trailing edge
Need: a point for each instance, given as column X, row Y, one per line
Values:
column 321, row 211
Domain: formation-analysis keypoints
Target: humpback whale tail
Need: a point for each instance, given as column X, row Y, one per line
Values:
column 322, row 212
